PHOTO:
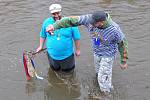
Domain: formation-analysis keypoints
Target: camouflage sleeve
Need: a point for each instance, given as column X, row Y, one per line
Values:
column 123, row 49
column 66, row 22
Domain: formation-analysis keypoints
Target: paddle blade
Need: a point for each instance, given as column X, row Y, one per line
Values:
column 25, row 66
column 29, row 66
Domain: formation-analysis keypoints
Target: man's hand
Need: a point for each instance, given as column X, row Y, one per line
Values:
column 124, row 66
column 39, row 49
column 77, row 53
column 50, row 29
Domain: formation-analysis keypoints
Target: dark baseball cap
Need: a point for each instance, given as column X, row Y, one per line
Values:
column 98, row 16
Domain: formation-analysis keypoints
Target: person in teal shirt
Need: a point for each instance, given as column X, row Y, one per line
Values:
column 60, row 48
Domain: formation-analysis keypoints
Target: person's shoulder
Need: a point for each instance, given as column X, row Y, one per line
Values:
column 48, row 19
column 74, row 28
column 112, row 28
column 115, row 30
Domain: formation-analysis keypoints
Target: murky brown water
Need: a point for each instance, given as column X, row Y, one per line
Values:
column 20, row 23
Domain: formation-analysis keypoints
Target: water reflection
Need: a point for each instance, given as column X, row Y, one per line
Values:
column 106, row 1
column 30, row 88
column 131, row 1
column 57, row 86
column 64, row 86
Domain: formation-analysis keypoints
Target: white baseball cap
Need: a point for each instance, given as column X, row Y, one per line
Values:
column 55, row 8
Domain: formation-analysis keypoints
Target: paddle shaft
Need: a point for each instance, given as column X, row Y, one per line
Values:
column 34, row 53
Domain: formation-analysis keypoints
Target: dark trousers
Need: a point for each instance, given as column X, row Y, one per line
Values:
column 65, row 65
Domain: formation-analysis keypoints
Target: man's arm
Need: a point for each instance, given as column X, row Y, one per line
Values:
column 63, row 23
column 42, row 41
column 42, row 38
column 69, row 22
column 123, row 49
column 66, row 22
column 77, row 47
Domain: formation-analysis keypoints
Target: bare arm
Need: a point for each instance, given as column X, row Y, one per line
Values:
column 77, row 47
column 42, row 41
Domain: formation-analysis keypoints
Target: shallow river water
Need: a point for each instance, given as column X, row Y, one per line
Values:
column 20, row 23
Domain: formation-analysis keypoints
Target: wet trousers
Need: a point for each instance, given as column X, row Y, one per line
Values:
column 103, row 67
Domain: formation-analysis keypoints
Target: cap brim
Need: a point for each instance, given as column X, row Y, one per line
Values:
column 53, row 11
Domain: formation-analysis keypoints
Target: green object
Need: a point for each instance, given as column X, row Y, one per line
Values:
column 66, row 22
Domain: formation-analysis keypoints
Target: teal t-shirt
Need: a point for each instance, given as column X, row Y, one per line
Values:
column 60, row 45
